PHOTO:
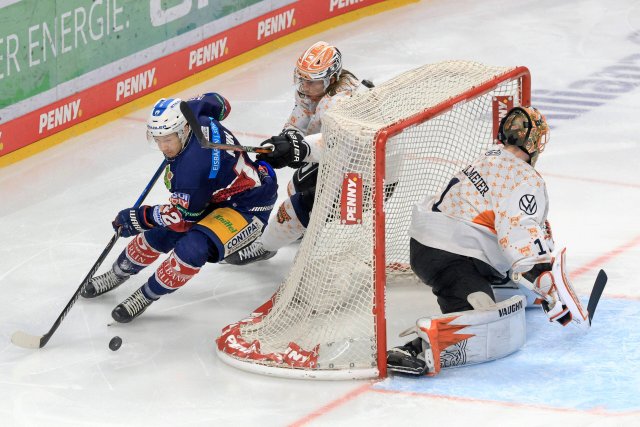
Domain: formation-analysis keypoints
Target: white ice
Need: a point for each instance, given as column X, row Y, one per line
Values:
column 57, row 207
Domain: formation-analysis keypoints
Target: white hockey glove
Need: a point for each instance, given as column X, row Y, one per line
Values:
column 555, row 310
column 561, row 303
column 540, row 280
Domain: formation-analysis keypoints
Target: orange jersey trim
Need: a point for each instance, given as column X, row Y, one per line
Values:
column 487, row 219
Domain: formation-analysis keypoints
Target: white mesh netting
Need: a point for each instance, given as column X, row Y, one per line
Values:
column 324, row 322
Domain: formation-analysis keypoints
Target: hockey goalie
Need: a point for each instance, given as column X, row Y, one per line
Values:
column 488, row 225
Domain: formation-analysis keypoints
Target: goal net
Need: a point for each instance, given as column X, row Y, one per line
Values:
column 386, row 148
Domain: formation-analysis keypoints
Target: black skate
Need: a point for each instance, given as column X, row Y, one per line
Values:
column 102, row 284
column 407, row 359
column 252, row 253
column 131, row 308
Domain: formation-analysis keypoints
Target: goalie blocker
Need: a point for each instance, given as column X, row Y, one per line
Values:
column 490, row 331
column 561, row 302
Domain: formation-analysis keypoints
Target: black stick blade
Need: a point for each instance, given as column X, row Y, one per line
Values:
column 596, row 293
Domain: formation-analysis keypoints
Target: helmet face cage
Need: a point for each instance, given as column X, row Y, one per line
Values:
column 526, row 128
column 320, row 62
column 165, row 119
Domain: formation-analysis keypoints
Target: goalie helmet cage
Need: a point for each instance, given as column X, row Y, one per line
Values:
column 386, row 148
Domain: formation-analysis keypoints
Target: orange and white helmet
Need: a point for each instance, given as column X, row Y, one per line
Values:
column 320, row 62
column 526, row 128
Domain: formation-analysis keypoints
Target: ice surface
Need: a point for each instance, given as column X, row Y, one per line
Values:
column 57, row 207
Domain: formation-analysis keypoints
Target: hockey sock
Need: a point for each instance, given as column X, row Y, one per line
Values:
column 135, row 257
column 172, row 274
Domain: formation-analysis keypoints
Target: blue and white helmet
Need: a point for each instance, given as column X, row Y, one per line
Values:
column 165, row 119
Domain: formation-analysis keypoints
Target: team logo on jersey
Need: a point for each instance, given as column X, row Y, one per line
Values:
column 180, row 199
column 283, row 216
column 168, row 176
column 525, row 251
column 528, row 204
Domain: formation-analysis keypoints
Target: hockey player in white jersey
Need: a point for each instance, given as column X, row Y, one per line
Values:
column 489, row 222
column 320, row 83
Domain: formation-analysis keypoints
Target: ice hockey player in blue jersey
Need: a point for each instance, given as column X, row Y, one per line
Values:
column 220, row 201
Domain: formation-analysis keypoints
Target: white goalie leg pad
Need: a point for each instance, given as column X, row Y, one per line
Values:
column 566, row 293
column 463, row 338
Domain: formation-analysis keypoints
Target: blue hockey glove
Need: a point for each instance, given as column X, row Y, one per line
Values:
column 132, row 221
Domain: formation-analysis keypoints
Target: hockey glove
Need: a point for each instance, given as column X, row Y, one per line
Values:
column 541, row 279
column 290, row 149
column 132, row 221
column 556, row 311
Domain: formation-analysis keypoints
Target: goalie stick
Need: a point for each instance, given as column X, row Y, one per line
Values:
column 25, row 340
column 596, row 293
column 197, row 131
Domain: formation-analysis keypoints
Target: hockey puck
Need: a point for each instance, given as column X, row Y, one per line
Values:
column 115, row 343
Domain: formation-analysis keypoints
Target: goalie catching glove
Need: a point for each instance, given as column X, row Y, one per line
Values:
column 289, row 149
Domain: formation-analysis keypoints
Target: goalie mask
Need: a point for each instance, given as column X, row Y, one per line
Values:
column 527, row 129
column 165, row 119
column 319, row 63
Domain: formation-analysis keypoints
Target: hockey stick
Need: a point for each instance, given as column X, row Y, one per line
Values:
column 596, row 293
column 197, row 131
column 23, row 339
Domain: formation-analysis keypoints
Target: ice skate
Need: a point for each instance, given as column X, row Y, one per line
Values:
column 252, row 253
column 407, row 359
column 131, row 308
column 102, row 284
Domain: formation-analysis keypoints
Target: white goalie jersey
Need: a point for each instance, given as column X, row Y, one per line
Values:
column 494, row 210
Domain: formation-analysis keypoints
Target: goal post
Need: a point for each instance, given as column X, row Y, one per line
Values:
column 386, row 148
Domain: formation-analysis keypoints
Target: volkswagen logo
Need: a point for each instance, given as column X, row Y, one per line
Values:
column 528, row 204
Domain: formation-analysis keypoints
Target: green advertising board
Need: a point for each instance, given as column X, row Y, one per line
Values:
column 46, row 43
